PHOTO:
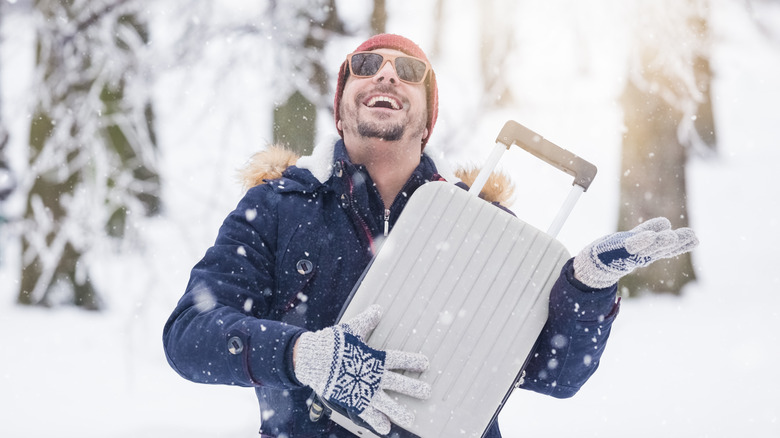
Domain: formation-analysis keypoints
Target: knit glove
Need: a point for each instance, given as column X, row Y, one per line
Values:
column 342, row 369
column 602, row 263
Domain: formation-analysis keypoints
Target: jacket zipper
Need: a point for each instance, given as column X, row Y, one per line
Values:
column 436, row 177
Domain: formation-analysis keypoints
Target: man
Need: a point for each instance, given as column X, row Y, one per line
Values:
column 261, row 305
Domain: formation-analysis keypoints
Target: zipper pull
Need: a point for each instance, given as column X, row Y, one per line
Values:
column 387, row 222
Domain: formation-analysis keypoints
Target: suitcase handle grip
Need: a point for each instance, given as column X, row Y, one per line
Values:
column 514, row 133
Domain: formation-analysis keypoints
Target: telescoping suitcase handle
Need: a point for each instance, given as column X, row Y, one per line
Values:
column 514, row 133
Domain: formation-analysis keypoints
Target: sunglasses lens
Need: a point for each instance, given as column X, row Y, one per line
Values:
column 366, row 64
column 410, row 69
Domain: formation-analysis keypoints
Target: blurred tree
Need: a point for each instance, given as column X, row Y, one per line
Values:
column 7, row 180
column 379, row 17
column 92, row 144
column 306, row 26
column 7, row 183
column 497, row 45
column 763, row 13
column 288, row 40
column 667, row 111
column 438, row 29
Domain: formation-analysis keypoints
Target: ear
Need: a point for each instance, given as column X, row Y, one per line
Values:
column 425, row 134
column 338, row 125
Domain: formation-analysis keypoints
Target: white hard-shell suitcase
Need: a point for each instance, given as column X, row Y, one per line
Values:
column 467, row 284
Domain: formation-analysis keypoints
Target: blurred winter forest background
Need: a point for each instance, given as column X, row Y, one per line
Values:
column 124, row 122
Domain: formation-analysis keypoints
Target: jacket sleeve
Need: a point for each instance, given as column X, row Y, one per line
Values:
column 569, row 349
column 219, row 332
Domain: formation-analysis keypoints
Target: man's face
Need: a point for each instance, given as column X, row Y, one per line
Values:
column 383, row 106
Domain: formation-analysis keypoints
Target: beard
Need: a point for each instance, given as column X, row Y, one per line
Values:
column 383, row 130
column 374, row 130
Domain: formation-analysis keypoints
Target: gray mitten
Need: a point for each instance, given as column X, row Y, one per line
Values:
column 603, row 262
column 342, row 369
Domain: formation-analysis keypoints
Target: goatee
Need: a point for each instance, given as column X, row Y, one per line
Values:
column 387, row 133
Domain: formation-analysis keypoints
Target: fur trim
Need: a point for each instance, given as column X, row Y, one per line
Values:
column 320, row 162
column 498, row 188
column 266, row 165
column 270, row 163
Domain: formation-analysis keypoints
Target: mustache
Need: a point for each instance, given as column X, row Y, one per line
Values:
column 383, row 88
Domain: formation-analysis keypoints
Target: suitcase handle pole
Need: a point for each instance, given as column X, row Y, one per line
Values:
column 565, row 210
column 514, row 133
column 487, row 169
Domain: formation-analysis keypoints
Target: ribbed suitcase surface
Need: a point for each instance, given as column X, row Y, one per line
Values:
column 467, row 284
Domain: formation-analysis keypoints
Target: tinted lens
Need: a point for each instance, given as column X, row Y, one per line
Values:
column 410, row 69
column 407, row 68
column 366, row 64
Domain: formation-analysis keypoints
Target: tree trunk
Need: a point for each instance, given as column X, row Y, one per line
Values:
column 7, row 180
column 92, row 150
column 295, row 124
column 49, row 260
column 704, row 123
column 667, row 113
column 653, row 184
column 295, row 120
column 7, row 183
column 497, row 37
column 437, row 45
column 379, row 17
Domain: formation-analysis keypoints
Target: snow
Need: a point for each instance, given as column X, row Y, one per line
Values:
column 700, row 365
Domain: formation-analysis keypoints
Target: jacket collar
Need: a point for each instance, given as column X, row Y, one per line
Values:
column 285, row 170
column 332, row 160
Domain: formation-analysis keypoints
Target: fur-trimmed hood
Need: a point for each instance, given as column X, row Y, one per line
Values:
column 270, row 163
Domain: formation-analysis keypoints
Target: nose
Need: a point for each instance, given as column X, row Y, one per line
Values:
column 387, row 72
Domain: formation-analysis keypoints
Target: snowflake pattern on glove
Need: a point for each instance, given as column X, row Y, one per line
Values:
column 360, row 373
column 342, row 369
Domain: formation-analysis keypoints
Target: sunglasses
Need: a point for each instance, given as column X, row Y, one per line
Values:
column 409, row 69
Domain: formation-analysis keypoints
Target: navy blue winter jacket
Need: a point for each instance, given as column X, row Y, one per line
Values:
column 284, row 262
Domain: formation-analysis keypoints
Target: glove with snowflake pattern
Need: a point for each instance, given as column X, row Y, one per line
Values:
column 337, row 364
column 602, row 263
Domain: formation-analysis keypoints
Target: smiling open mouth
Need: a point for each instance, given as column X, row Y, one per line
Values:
column 383, row 102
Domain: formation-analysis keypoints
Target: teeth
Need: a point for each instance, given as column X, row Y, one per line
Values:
column 393, row 103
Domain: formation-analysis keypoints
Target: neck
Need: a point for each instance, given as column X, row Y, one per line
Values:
column 390, row 163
